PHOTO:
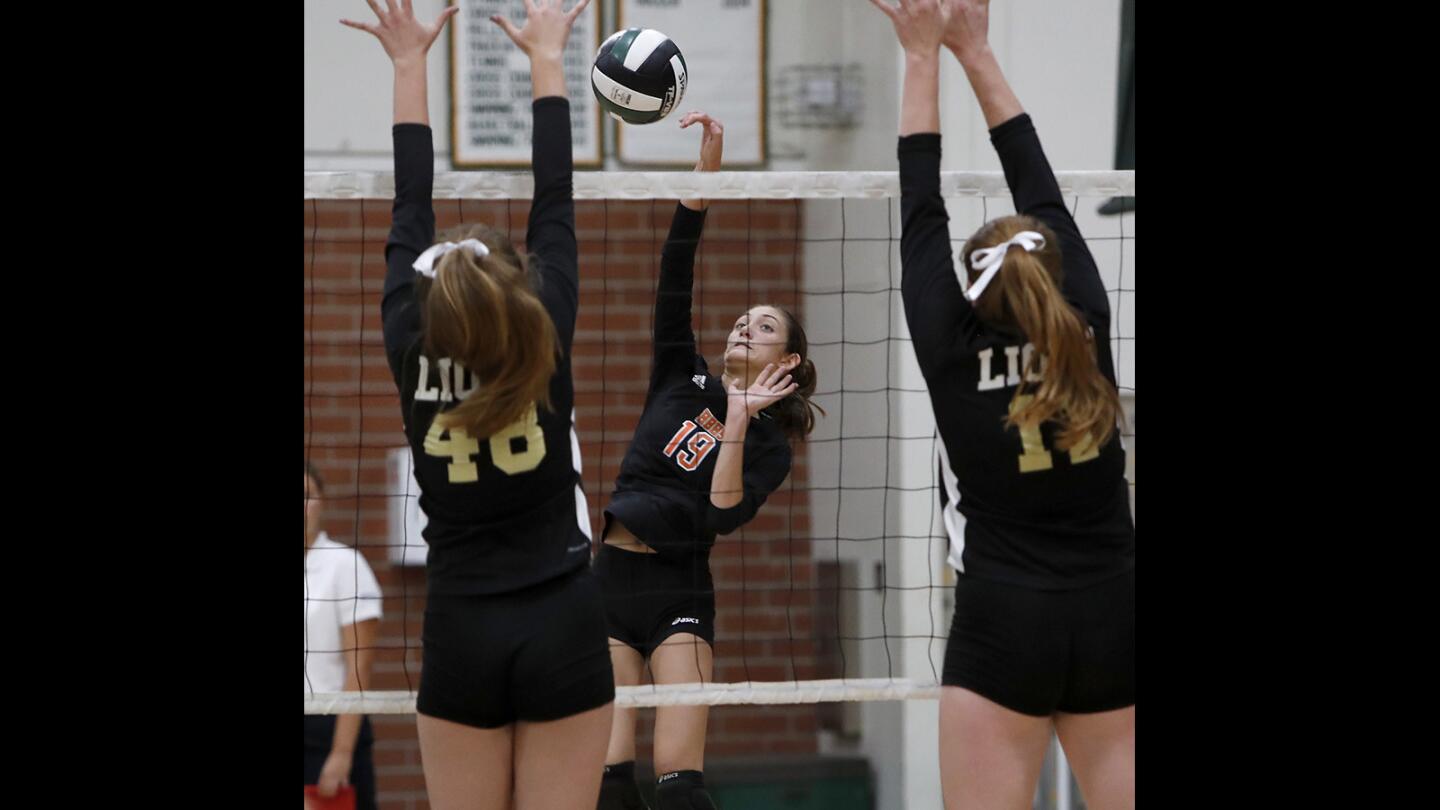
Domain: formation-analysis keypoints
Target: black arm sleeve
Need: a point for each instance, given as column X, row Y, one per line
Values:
column 551, row 234
column 757, row 480
column 1033, row 187
column 412, row 230
column 674, row 338
column 940, row 318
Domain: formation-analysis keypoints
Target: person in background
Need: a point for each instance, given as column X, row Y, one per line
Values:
column 342, row 614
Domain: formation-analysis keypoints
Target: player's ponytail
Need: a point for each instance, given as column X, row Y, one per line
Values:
column 1062, row 378
column 481, row 311
column 795, row 414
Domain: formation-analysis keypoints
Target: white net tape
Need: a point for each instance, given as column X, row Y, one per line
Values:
column 711, row 185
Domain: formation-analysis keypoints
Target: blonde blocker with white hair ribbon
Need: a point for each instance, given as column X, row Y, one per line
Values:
column 425, row 264
column 988, row 261
column 1061, row 382
column 490, row 322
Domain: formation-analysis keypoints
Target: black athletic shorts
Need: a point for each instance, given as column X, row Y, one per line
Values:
column 535, row 654
column 651, row 597
column 1041, row 652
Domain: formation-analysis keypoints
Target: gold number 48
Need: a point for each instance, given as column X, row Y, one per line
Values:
column 457, row 445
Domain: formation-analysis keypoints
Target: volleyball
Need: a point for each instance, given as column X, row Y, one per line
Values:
column 639, row 76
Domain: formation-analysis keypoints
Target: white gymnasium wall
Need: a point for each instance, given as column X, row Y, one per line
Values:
column 1060, row 55
column 1062, row 59
column 349, row 89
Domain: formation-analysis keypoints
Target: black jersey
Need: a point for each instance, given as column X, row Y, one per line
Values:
column 662, row 494
column 1016, row 509
column 504, row 511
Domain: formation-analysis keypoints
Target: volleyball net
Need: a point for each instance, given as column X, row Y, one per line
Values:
column 838, row 591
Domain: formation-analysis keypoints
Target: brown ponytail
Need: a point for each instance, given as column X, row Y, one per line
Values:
column 483, row 313
column 794, row 413
column 1025, row 295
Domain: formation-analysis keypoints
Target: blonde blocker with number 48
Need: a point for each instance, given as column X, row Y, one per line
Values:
column 516, row 687
column 482, row 311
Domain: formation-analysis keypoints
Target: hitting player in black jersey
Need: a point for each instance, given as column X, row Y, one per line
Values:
column 1017, row 361
column 516, row 688
column 707, row 452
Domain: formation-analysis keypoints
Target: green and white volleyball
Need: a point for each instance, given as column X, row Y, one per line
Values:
column 639, row 76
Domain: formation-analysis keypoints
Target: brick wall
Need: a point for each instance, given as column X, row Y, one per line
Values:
column 765, row 582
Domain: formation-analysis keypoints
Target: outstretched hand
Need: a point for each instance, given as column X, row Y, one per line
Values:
column 547, row 27
column 968, row 28
column 920, row 24
column 404, row 38
column 712, row 140
column 769, row 388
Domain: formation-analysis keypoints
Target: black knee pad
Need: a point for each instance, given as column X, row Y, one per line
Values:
column 618, row 790
column 682, row 790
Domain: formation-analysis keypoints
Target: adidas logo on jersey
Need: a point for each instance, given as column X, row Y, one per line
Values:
column 699, row 379
column 684, row 621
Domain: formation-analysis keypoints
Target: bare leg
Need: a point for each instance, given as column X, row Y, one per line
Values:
column 1101, row 749
column 558, row 763
column 680, row 730
column 990, row 756
column 629, row 667
column 466, row 768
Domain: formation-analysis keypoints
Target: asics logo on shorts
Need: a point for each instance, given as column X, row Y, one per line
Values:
column 684, row 621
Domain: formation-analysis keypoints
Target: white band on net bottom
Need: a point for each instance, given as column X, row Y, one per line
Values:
column 682, row 694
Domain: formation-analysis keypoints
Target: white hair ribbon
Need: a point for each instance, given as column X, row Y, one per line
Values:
column 425, row 265
column 989, row 260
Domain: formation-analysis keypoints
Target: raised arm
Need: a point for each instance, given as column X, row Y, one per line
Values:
column 939, row 316
column 406, row 41
column 551, row 232
column 1027, row 172
column 674, row 339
